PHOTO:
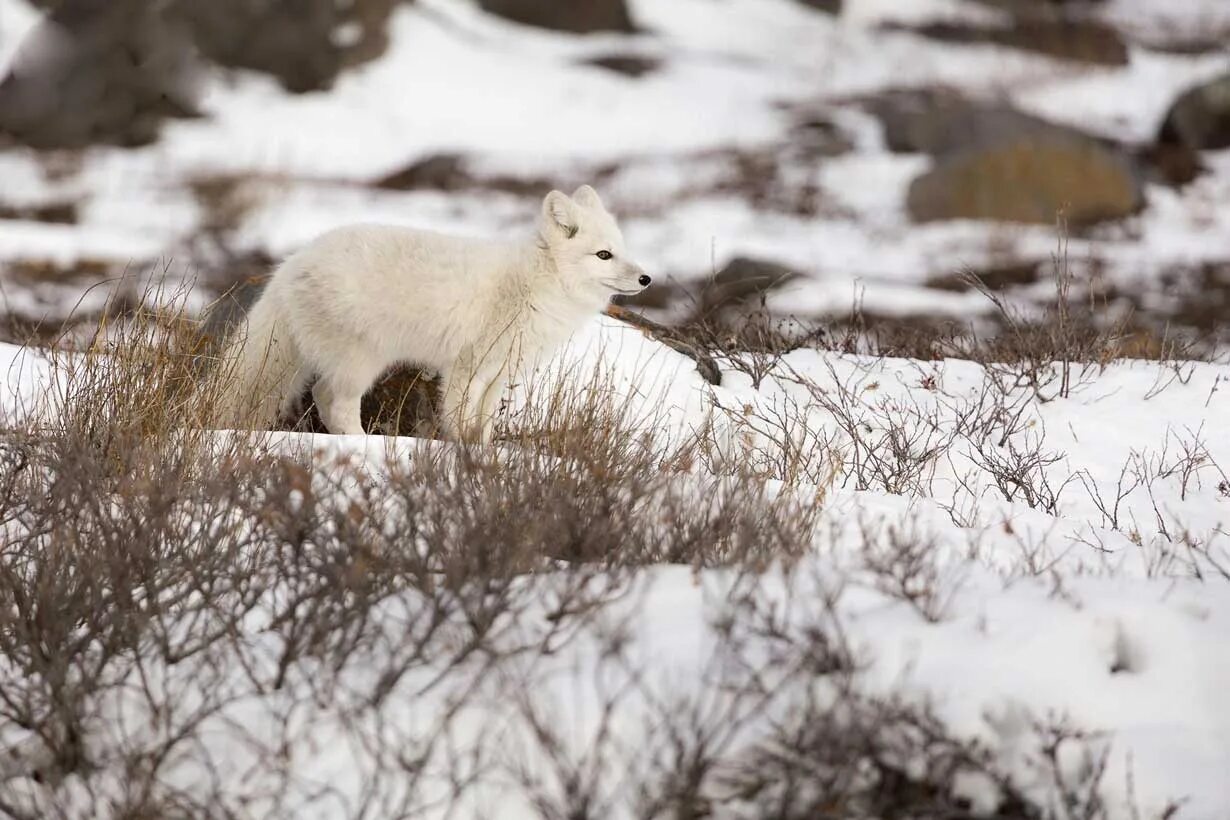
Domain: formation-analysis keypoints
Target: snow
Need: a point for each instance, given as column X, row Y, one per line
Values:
column 1041, row 614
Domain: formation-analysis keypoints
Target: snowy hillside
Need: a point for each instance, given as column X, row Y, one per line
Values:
column 1022, row 563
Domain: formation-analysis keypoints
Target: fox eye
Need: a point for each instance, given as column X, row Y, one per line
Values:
column 603, row 255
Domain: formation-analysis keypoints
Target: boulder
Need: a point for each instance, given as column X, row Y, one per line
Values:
column 440, row 172
column 110, row 71
column 1030, row 179
column 1200, row 118
column 580, row 16
column 742, row 278
column 940, row 122
column 98, row 72
column 304, row 43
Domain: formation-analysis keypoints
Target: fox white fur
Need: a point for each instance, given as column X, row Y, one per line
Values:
column 360, row 299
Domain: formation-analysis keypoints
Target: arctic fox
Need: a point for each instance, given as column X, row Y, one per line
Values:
column 360, row 299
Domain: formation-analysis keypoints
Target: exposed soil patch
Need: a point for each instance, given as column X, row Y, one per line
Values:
column 37, row 271
column 57, row 213
column 995, row 278
column 1081, row 41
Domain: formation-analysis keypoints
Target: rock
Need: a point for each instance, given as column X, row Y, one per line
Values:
column 441, row 172
column 741, row 279
column 818, row 136
column 304, row 43
column 1200, row 118
column 996, row 162
column 630, row 65
column 110, row 71
column 1081, row 41
column 450, row 172
column 1173, row 165
column 98, row 72
column 940, row 122
column 1030, row 179
column 828, row 6
column 579, row 16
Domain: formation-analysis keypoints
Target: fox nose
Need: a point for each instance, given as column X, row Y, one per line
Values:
column 644, row 280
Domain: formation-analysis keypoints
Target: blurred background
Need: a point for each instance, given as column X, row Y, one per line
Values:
column 846, row 160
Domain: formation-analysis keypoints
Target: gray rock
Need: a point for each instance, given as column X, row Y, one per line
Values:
column 742, row 278
column 1200, row 118
column 940, row 122
column 98, row 72
column 296, row 41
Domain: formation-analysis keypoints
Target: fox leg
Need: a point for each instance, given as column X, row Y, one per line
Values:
column 470, row 392
column 338, row 396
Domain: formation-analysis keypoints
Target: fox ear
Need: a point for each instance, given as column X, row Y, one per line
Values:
column 586, row 196
column 559, row 212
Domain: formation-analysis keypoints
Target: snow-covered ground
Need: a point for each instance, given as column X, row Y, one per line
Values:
column 1100, row 602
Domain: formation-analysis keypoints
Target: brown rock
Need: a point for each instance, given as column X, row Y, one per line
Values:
column 564, row 15
column 1029, row 180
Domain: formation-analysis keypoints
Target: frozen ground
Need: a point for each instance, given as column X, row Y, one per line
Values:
column 1100, row 601
column 665, row 149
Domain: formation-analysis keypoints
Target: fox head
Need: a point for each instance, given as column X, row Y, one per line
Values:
column 586, row 245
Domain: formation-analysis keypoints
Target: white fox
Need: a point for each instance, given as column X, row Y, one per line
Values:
column 360, row 299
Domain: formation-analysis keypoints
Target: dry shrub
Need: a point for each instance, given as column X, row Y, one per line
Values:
column 157, row 580
column 751, row 341
column 185, row 615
